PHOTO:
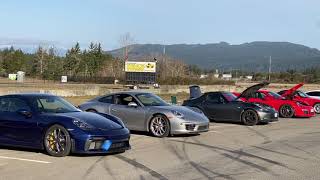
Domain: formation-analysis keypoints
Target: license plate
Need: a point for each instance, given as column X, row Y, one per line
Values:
column 275, row 114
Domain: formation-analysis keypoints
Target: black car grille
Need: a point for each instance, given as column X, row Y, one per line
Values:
column 190, row 127
column 306, row 112
column 119, row 145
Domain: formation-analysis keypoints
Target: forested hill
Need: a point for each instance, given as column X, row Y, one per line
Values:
column 252, row 56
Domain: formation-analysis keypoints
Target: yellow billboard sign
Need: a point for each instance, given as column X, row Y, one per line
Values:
column 131, row 66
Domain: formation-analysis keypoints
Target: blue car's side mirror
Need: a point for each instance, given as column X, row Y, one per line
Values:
column 25, row 113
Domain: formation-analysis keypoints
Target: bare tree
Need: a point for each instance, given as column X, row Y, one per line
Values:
column 126, row 40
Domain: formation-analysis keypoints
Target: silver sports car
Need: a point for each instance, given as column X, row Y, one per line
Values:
column 143, row 111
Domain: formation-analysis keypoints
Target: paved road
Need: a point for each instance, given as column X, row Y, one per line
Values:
column 288, row 149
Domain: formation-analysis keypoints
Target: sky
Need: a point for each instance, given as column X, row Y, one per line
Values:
column 65, row 22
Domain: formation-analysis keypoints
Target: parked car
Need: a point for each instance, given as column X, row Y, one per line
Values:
column 225, row 106
column 287, row 108
column 48, row 122
column 143, row 111
column 314, row 93
column 297, row 95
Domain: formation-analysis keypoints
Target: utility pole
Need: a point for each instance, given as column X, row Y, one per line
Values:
column 270, row 62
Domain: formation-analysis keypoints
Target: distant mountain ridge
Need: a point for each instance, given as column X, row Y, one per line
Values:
column 252, row 56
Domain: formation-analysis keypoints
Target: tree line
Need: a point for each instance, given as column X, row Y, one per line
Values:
column 93, row 64
column 46, row 64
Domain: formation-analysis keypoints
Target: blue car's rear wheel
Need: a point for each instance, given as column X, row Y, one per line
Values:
column 159, row 126
column 57, row 141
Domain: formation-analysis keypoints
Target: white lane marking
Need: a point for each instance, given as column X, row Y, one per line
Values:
column 22, row 159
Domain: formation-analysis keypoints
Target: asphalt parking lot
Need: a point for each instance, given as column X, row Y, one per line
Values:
column 288, row 149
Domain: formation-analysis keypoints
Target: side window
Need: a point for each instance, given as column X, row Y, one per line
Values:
column 313, row 93
column 258, row 95
column 106, row 99
column 13, row 105
column 124, row 99
column 213, row 98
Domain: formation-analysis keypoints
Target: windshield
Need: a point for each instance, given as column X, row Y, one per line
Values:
column 53, row 104
column 148, row 99
column 231, row 97
column 302, row 94
column 275, row 95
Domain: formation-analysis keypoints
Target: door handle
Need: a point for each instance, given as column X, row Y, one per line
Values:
column 114, row 110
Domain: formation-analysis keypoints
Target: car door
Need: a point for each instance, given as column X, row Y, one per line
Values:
column 17, row 128
column 216, row 108
column 104, row 104
column 132, row 116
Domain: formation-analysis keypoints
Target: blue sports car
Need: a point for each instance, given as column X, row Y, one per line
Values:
column 48, row 122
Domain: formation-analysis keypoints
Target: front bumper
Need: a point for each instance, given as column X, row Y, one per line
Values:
column 179, row 126
column 95, row 143
column 268, row 116
column 305, row 112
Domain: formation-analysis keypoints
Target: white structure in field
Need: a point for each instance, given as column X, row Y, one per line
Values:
column 216, row 75
column 12, row 77
column 249, row 77
column 20, row 76
column 202, row 76
column 64, row 79
column 226, row 76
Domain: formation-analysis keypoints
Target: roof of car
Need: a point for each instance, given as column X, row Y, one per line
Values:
column 134, row 92
column 28, row 94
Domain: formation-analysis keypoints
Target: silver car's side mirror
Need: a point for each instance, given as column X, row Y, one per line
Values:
column 132, row 104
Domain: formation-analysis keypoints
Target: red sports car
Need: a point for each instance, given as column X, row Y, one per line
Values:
column 297, row 95
column 287, row 108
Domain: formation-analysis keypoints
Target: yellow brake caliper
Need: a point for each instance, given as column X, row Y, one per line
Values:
column 51, row 141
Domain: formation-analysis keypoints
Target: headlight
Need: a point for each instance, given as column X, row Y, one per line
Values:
column 177, row 114
column 82, row 125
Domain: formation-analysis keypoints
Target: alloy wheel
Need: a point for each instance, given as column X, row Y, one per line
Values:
column 57, row 141
column 317, row 108
column 286, row 111
column 250, row 117
column 159, row 126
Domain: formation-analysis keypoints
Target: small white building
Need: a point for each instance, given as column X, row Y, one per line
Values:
column 226, row 76
column 203, row 76
column 249, row 77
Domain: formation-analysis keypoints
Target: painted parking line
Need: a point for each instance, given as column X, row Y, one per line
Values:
column 22, row 159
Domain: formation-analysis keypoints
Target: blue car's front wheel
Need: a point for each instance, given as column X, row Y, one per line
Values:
column 57, row 141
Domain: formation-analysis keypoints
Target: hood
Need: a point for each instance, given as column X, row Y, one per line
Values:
column 290, row 92
column 93, row 119
column 188, row 113
column 252, row 89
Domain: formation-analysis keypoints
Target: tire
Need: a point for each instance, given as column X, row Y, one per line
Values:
column 286, row 111
column 317, row 108
column 159, row 126
column 57, row 141
column 91, row 110
column 250, row 117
